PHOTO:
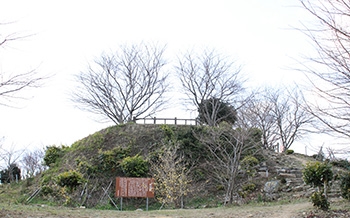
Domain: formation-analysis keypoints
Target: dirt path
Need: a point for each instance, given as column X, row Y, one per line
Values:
column 291, row 210
column 276, row 211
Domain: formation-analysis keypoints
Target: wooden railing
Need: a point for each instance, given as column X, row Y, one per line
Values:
column 174, row 121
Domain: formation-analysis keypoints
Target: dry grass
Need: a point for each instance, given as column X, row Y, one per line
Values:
column 271, row 211
column 297, row 209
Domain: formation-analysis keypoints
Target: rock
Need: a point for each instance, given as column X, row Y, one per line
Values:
column 263, row 174
column 271, row 187
column 298, row 188
column 262, row 169
column 287, row 175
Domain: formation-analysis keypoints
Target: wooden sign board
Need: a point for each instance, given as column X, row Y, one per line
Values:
column 134, row 187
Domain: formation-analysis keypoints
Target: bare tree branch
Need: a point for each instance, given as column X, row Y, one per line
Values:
column 10, row 157
column 226, row 147
column 12, row 84
column 330, row 76
column 32, row 162
column 127, row 84
column 207, row 79
column 280, row 115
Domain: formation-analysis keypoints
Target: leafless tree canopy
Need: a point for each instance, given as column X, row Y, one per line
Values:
column 127, row 84
column 209, row 76
column 280, row 115
column 257, row 112
column 10, row 157
column 292, row 120
column 331, row 75
column 32, row 162
column 12, row 84
column 226, row 147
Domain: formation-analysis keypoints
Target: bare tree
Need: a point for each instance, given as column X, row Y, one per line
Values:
column 172, row 175
column 227, row 146
column 11, row 84
column 292, row 120
column 258, row 113
column 330, row 70
column 127, row 84
column 280, row 115
column 32, row 162
column 10, row 157
column 210, row 80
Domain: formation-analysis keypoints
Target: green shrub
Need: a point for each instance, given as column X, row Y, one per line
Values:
column 86, row 168
column 45, row 178
column 319, row 200
column 250, row 187
column 318, row 175
column 70, row 179
column 52, row 153
column 46, row 190
column 135, row 166
column 109, row 161
column 247, row 189
column 289, row 151
column 168, row 132
column 345, row 185
column 248, row 163
column 341, row 163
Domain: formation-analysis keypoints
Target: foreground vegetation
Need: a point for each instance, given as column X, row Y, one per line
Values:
column 295, row 208
column 80, row 179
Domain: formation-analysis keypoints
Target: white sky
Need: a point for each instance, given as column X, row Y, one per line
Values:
column 69, row 34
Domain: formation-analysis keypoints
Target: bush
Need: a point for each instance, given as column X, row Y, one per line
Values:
column 52, row 153
column 109, row 161
column 289, row 151
column 247, row 189
column 250, row 187
column 86, row 168
column 345, row 185
column 135, row 166
column 248, row 163
column 320, row 201
column 46, row 190
column 341, row 163
column 70, row 179
column 319, row 175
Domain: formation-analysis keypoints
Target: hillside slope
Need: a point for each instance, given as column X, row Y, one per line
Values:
column 98, row 159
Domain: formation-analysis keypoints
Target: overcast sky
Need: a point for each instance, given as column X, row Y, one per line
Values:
column 67, row 35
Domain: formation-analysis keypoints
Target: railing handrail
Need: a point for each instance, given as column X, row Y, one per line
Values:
column 188, row 121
